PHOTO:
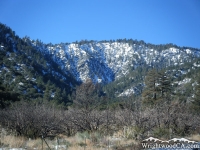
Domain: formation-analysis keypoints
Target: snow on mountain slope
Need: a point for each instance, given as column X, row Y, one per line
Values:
column 107, row 61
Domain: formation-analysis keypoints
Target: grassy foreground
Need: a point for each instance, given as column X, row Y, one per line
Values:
column 80, row 141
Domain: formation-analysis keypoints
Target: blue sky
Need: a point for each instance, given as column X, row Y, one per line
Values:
column 56, row 21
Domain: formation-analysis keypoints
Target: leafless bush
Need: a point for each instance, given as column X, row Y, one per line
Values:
column 31, row 120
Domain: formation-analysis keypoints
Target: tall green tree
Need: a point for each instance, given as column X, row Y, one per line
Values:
column 58, row 96
column 47, row 92
column 157, row 88
column 151, row 92
column 164, row 85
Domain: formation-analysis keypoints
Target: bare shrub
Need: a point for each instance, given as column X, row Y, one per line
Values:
column 31, row 120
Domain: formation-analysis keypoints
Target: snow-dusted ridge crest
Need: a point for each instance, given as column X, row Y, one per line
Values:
column 105, row 62
column 152, row 139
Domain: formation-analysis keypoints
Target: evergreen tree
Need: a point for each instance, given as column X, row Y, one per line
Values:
column 47, row 93
column 150, row 93
column 158, row 88
column 58, row 96
column 164, row 84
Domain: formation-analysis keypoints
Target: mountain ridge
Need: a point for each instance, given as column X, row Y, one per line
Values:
column 114, row 59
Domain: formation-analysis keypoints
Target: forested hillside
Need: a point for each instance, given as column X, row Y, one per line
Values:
column 26, row 73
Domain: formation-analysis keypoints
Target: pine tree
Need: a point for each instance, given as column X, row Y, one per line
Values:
column 47, row 93
column 58, row 96
column 158, row 88
column 150, row 94
column 164, row 85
